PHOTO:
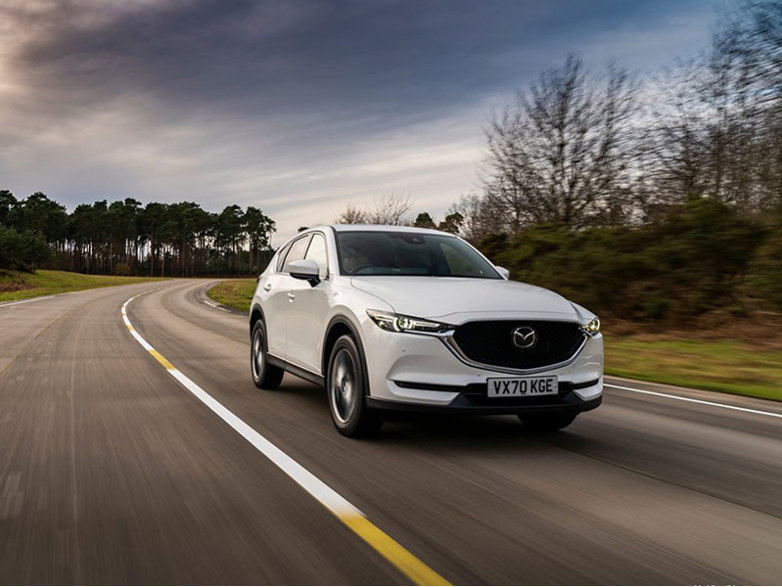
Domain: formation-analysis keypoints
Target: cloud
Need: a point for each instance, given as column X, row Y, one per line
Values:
column 298, row 107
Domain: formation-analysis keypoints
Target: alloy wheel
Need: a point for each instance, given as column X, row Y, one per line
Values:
column 343, row 386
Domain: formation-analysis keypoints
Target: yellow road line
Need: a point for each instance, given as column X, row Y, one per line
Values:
column 161, row 359
column 392, row 551
column 403, row 560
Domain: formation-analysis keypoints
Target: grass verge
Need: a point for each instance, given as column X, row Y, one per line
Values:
column 725, row 366
column 16, row 285
column 236, row 293
column 714, row 365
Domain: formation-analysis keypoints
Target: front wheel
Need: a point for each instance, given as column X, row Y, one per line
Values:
column 347, row 388
column 265, row 376
column 546, row 422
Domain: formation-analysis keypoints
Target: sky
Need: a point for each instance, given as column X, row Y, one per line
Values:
column 298, row 107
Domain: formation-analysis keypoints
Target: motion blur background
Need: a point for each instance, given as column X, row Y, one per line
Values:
column 628, row 157
column 625, row 154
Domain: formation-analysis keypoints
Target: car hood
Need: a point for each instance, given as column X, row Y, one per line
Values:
column 447, row 298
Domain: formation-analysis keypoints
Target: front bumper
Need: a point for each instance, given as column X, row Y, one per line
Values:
column 465, row 404
column 421, row 373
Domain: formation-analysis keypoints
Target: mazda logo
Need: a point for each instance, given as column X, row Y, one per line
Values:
column 525, row 337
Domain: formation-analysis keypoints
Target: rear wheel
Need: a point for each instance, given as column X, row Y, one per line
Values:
column 265, row 376
column 546, row 422
column 347, row 391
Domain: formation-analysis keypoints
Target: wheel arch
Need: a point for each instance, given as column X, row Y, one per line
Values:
column 338, row 326
column 256, row 314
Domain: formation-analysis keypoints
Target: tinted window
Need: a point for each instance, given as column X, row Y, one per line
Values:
column 402, row 253
column 459, row 261
column 317, row 252
column 296, row 252
column 281, row 258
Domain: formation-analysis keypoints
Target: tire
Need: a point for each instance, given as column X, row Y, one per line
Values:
column 265, row 376
column 547, row 422
column 347, row 390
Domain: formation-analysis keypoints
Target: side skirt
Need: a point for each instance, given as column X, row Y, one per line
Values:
column 297, row 371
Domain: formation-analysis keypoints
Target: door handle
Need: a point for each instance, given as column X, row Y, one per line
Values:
column 291, row 296
column 267, row 287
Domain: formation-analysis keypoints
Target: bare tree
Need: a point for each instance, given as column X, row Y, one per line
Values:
column 751, row 47
column 352, row 215
column 704, row 141
column 480, row 217
column 717, row 129
column 674, row 146
column 392, row 209
column 753, row 39
column 559, row 153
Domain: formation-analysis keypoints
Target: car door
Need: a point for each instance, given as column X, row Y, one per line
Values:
column 277, row 290
column 307, row 311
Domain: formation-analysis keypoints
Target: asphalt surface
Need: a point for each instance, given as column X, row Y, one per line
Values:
column 112, row 472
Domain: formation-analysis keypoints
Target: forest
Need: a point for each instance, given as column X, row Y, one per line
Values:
column 127, row 238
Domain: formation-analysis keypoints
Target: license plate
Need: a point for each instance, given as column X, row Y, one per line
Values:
column 523, row 386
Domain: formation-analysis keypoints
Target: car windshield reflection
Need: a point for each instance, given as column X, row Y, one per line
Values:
column 410, row 254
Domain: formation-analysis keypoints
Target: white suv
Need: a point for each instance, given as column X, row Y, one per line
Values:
column 398, row 318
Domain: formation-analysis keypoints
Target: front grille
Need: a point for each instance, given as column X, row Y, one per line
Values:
column 491, row 343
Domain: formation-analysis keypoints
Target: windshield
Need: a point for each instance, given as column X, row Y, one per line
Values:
column 410, row 253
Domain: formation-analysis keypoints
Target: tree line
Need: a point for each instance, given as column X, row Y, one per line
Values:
column 649, row 199
column 582, row 148
column 125, row 237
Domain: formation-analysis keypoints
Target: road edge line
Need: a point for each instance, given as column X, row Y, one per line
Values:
column 214, row 305
column 402, row 559
column 28, row 300
column 693, row 400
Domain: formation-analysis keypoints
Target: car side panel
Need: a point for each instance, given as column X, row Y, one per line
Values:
column 271, row 293
column 305, row 323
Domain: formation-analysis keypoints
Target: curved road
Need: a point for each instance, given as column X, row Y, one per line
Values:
column 112, row 472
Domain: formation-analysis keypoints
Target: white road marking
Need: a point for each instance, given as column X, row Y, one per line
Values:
column 314, row 486
column 215, row 305
column 136, row 335
column 337, row 504
column 27, row 301
column 695, row 401
column 345, row 511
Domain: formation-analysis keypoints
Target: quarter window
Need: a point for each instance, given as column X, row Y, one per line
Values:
column 281, row 258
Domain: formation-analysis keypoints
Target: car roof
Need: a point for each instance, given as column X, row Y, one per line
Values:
column 378, row 228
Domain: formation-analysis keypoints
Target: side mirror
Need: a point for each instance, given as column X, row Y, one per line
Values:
column 502, row 271
column 305, row 269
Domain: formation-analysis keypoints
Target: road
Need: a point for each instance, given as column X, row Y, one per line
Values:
column 112, row 472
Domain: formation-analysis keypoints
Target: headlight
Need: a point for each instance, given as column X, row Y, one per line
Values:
column 592, row 328
column 399, row 323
